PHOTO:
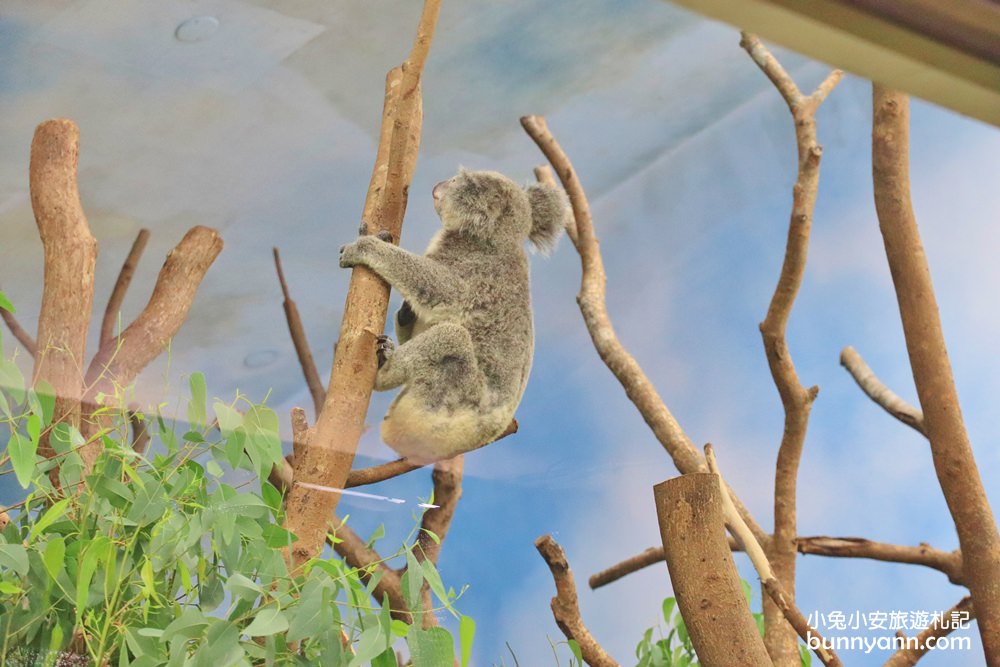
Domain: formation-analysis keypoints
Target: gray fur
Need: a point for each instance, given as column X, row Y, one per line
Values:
column 465, row 331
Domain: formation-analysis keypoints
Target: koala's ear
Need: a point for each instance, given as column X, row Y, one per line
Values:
column 549, row 214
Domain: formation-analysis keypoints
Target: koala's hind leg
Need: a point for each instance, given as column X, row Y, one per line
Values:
column 440, row 411
column 439, row 363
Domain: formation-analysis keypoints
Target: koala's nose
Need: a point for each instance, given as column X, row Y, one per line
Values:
column 438, row 190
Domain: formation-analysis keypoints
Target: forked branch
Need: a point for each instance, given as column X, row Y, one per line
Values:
column 593, row 305
column 796, row 399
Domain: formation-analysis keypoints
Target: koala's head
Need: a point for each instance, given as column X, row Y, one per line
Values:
column 495, row 210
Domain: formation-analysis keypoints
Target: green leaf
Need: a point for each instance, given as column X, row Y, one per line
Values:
column 412, row 581
column 668, row 609
column 399, row 628
column 6, row 304
column 277, row 537
column 197, row 411
column 229, row 419
column 369, row 645
column 466, row 632
column 386, row 658
column 243, row 588
column 310, row 615
column 805, row 657
column 213, row 468
column 12, row 380
column 189, row 624
column 269, row 621
column 54, row 556
column 434, row 580
column 433, row 647
column 14, row 557
column 747, row 590
column 22, row 453
column 51, row 515
column 9, row 588
column 575, row 648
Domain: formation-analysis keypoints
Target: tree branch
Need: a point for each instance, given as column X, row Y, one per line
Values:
column 947, row 562
column 299, row 340
column 704, row 578
column 447, row 478
column 909, row 655
column 142, row 341
column 566, row 608
column 772, row 586
column 70, row 255
column 878, row 392
column 121, row 287
column 950, row 448
column 22, row 336
column 327, row 462
column 796, row 400
column 593, row 305
column 626, row 567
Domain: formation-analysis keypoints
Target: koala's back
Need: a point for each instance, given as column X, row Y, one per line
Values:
column 498, row 315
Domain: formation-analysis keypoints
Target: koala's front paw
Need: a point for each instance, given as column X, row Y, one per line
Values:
column 352, row 254
column 383, row 349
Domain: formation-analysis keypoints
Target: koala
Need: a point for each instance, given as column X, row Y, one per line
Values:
column 465, row 328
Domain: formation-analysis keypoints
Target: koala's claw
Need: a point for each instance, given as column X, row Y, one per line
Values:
column 384, row 348
column 363, row 229
column 385, row 236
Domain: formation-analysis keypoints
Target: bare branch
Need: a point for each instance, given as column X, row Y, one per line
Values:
column 447, row 478
column 380, row 473
column 878, row 392
column 772, row 68
column 951, row 451
column 942, row 626
column 22, row 336
column 704, row 578
column 593, row 306
column 795, row 399
column 566, row 608
column 626, row 567
column 327, row 462
column 121, row 287
column 299, row 340
column 770, row 583
column 70, row 256
column 948, row 562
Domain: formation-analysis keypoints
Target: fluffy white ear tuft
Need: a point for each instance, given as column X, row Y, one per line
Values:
column 549, row 214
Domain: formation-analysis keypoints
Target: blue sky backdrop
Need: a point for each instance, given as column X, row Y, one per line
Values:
column 266, row 131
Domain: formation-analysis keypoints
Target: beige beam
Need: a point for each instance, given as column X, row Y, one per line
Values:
column 944, row 52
